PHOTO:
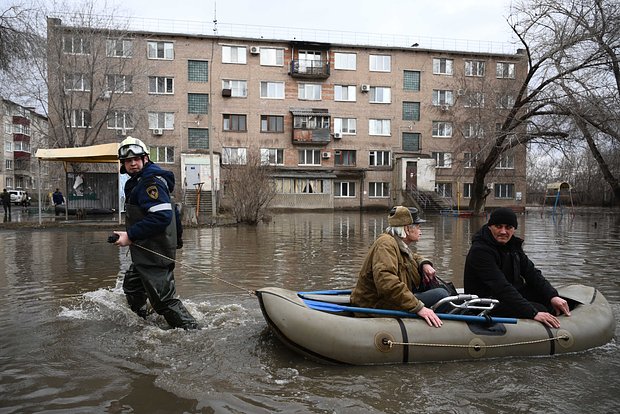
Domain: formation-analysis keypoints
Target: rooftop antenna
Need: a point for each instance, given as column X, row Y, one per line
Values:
column 215, row 18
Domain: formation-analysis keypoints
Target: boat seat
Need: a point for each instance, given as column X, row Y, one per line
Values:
column 338, row 299
column 464, row 304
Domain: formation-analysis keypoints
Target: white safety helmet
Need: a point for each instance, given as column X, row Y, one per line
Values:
column 132, row 147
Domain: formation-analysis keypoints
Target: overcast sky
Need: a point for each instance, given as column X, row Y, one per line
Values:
column 454, row 19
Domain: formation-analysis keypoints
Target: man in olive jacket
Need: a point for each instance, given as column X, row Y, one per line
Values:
column 393, row 277
column 497, row 267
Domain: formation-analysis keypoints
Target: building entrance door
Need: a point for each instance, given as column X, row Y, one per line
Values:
column 412, row 175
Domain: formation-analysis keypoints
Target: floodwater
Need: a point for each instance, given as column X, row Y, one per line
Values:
column 69, row 343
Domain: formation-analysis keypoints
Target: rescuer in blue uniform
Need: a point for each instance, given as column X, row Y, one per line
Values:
column 151, row 223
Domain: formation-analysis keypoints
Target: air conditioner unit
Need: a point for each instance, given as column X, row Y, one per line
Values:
column 337, row 135
column 337, row 153
column 325, row 154
column 365, row 88
column 158, row 131
column 226, row 92
column 106, row 95
column 460, row 92
column 255, row 50
column 445, row 107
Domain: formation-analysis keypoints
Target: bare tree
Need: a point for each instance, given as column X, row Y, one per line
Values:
column 556, row 48
column 250, row 189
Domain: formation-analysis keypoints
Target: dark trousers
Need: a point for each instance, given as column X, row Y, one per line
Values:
column 157, row 284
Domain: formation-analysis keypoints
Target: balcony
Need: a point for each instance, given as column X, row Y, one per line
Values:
column 311, row 136
column 309, row 69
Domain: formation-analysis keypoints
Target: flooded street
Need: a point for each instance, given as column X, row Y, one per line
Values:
column 70, row 343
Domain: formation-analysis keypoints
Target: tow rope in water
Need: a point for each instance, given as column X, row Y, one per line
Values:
column 476, row 347
column 249, row 291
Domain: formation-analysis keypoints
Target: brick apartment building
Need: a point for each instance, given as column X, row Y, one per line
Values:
column 23, row 131
column 343, row 126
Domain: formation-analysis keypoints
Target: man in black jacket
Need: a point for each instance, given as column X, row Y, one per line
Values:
column 497, row 267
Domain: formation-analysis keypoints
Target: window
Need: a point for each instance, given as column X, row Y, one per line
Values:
column 473, row 100
column 198, row 138
column 21, row 129
column 79, row 118
column 300, row 186
column 119, row 48
column 411, row 111
column 234, row 156
column 472, row 130
column 411, row 80
column 470, row 160
column 506, row 162
column 379, row 189
column 310, row 157
column 77, row 82
column 444, row 189
column 238, row 88
column 309, row 91
column 468, row 189
column 272, row 90
column 160, row 50
column 197, row 103
column 380, row 94
column 120, row 120
column 345, row 93
column 474, row 68
column 411, row 141
column 344, row 157
column 504, row 190
column 345, row 61
column 505, row 70
column 378, row 158
column 344, row 189
column 8, row 146
column 161, row 85
column 442, row 159
column 310, row 122
column 442, row 129
column 119, row 83
column 378, row 127
column 442, row 66
column 8, row 164
column 162, row 155
column 505, row 102
column 234, row 54
column 161, row 120
column 75, row 44
column 272, row 156
column 197, row 70
column 271, row 123
column 442, row 97
column 234, row 122
column 271, row 56
column 310, row 61
column 345, row 125
column 380, row 63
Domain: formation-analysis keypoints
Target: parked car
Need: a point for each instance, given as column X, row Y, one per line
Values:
column 17, row 195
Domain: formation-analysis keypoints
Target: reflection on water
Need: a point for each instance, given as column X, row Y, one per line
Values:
column 70, row 344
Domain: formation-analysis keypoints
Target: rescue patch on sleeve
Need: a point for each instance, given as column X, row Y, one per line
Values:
column 153, row 192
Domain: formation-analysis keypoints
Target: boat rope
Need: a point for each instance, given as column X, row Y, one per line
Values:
column 476, row 347
column 249, row 291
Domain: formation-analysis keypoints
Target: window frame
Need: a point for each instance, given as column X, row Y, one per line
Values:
column 374, row 186
column 442, row 159
column 344, row 189
column 269, row 154
column 237, row 58
column 379, row 158
column 339, row 64
column 443, row 66
column 168, row 85
column 278, row 56
column 383, row 124
column 266, row 121
column 199, row 73
column 379, row 63
column 505, row 70
column 384, row 93
column 234, row 155
column 442, row 129
column 339, row 126
column 313, row 88
column 350, row 90
column 234, row 123
column 275, row 86
column 167, row 50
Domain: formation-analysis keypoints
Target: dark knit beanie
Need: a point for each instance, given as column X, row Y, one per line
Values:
column 503, row 216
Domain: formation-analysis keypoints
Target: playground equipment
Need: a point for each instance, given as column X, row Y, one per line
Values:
column 558, row 192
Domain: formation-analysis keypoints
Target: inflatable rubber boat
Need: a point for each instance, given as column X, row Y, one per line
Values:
column 323, row 326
